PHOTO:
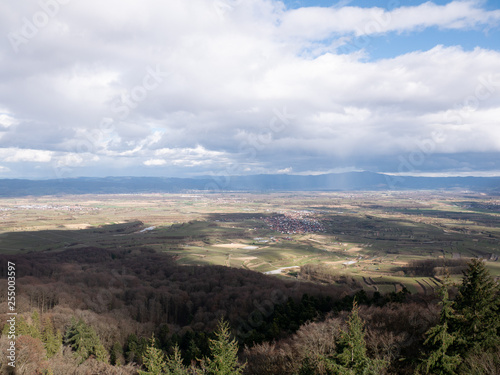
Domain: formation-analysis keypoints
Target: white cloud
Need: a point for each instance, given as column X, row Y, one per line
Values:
column 74, row 160
column 285, row 170
column 315, row 23
column 187, row 157
column 6, row 119
column 155, row 162
column 224, row 71
column 14, row 155
column 459, row 173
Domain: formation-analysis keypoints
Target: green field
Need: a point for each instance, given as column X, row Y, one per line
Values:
column 366, row 238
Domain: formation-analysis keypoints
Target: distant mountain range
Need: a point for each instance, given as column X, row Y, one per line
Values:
column 326, row 182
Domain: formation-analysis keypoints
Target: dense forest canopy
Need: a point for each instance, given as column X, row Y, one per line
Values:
column 122, row 311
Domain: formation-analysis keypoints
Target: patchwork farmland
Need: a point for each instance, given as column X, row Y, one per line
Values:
column 362, row 240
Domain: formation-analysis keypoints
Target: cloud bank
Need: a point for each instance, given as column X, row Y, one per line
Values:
column 183, row 88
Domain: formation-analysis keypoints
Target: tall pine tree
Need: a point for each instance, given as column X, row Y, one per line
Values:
column 51, row 340
column 477, row 321
column 438, row 359
column 174, row 363
column 352, row 357
column 224, row 353
column 154, row 360
column 84, row 341
column 352, row 344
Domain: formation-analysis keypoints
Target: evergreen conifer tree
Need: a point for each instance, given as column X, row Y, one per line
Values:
column 154, row 360
column 477, row 321
column 352, row 342
column 52, row 341
column 115, row 354
column 36, row 326
column 22, row 326
column 224, row 353
column 174, row 363
column 438, row 359
column 352, row 357
column 85, row 342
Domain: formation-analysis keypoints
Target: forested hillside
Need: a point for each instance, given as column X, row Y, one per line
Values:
column 98, row 311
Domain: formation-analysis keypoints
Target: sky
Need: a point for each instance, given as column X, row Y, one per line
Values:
column 186, row 88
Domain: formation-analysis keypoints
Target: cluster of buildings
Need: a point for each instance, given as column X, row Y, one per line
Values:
column 294, row 222
column 48, row 207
